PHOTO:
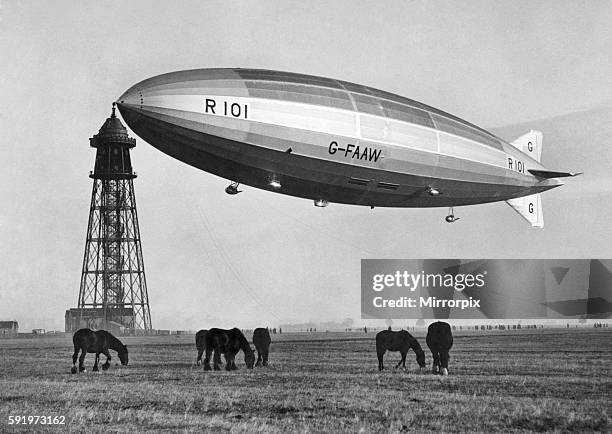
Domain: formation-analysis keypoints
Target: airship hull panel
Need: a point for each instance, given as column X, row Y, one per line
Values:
column 233, row 154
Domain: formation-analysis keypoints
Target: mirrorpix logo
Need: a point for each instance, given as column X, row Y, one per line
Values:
column 401, row 289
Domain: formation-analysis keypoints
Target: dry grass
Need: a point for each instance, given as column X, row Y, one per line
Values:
column 521, row 381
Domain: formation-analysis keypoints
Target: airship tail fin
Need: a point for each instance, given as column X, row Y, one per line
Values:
column 547, row 174
column 530, row 208
column 530, row 144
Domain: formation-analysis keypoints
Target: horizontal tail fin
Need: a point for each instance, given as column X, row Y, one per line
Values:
column 530, row 144
column 530, row 208
column 552, row 174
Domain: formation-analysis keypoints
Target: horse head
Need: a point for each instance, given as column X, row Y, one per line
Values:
column 249, row 357
column 123, row 355
column 420, row 357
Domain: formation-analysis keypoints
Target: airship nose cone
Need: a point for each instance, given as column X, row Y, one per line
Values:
column 130, row 105
column 131, row 97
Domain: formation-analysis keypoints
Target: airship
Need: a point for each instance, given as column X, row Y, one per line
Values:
column 332, row 141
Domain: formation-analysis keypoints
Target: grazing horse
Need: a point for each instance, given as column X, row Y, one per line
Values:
column 228, row 343
column 439, row 340
column 200, row 345
column 398, row 341
column 261, row 340
column 88, row 341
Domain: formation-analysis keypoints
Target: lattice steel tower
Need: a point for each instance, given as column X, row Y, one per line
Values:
column 113, row 291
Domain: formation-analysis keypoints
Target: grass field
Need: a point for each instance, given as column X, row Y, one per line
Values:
column 529, row 380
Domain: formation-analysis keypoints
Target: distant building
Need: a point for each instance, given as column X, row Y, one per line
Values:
column 97, row 319
column 9, row 328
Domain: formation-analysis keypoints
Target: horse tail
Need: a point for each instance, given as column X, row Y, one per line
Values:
column 381, row 340
column 79, row 338
column 200, row 340
column 76, row 344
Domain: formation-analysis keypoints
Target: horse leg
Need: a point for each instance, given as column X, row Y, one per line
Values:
column 380, row 355
column 258, row 363
column 444, row 362
column 106, row 364
column 199, row 359
column 234, row 367
column 207, row 359
column 265, row 356
column 232, row 361
column 74, row 359
column 95, row 367
column 82, row 360
column 436, row 362
column 216, row 359
column 402, row 360
column 228, row 361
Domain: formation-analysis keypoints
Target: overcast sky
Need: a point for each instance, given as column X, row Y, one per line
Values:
column 276, row 259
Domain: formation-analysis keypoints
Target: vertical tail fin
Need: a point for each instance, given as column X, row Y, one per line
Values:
column 530, row 144
column 530, row 208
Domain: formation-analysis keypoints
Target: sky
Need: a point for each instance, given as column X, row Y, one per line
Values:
column 261, row 258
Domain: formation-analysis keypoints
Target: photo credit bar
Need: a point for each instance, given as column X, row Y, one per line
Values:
column 485, row 288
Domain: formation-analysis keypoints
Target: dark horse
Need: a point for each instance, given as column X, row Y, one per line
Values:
column 88, row 341
column 439, row 340
column 200, row 345
column 400, row 341
column 261, row 340
column 228, row 343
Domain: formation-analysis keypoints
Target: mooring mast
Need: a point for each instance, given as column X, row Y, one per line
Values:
column 113, row 292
